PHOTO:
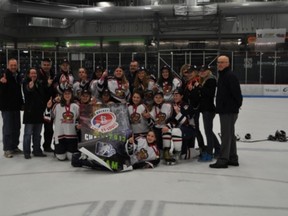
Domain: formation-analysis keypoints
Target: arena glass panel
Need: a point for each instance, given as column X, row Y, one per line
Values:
column 282, row 68
column 113, row 62
column 100, row 60
column 88, row 62
column 24, row 62
column 196, row 58
column 76, row 60
column 166, row 58
column 138, row 56
column 13, row 54
column 152, row 63
column 239, row 66
column 267, row 66
column 210, row 58
column 253, row 67
column 36, row 59
column 178, row 61
column 126, row 58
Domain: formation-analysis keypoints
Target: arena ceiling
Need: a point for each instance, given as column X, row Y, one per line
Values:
column 38, row 20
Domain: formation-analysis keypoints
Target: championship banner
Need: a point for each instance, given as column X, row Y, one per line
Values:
column 270, row 35
column 104, row 131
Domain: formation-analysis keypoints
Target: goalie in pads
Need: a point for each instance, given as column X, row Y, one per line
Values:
column 118, row 156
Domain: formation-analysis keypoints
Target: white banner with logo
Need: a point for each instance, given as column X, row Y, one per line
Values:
column 270, row 35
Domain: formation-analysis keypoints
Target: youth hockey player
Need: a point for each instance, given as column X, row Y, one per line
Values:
column 65, row 117
column 137, row 110
column 158, row 116
column 117, row 85
column 82, row 84
column 94, row 82
column 179, row 130
column 64, row 79
column 145, row 83
column 143, row 151
column 167, row 83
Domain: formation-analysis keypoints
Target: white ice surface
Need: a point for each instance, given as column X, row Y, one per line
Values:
column 45, row 186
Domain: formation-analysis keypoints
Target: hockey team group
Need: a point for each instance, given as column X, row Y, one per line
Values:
column 163, row 113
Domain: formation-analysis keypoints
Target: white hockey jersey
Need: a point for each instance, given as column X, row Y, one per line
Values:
column 143, row 152
column 63, row 81
column 168, row 89
column 138, row 123
column 94, row 89
column 116, row 89
column 65, row 118
column 78, row 87
column 160, row 115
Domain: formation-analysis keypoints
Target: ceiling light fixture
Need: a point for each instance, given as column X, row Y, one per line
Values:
column 105, row 4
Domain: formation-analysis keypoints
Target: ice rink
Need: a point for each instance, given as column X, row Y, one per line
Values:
column 45, row 186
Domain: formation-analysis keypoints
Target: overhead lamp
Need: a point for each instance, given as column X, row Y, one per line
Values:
column 105, row 4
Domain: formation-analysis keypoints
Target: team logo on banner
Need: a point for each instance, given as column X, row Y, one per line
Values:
column 104, row 121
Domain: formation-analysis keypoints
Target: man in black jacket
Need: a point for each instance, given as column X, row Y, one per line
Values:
column 228, row 102
column 11, row 102
column 45, row 77
column 130, row 75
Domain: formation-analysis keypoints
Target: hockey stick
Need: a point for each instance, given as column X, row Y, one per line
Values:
column 253, row 141
column 260, row 140
column 249, row 141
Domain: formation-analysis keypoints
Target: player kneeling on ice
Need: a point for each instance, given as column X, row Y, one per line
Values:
column 65, row 117
column 143, row 151
column 179, row 131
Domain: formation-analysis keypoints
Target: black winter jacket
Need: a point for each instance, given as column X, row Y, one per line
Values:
column 43, row 79
column 207, row 95
column 35, row 102
column 229, row 97
column 191, row 97
column 10, row 93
